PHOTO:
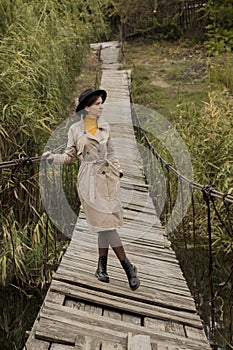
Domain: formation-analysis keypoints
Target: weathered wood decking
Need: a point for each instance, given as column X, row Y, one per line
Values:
column 79, row 312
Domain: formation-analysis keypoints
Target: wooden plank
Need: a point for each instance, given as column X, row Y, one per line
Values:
column 83, row 239
column 156, row 281
column 132, row 319
column 155, row 290
column 159, row 256
column 67, row 273
column 54, row 297
column 148, row 266
column 54, row 331
column 56, row 346
column 138, row 209
column 138, row 342
column 148, row 273
column 128, row 237
column 164, row 326
column 112, row 346
column 116, row 315
column 34, row 344
column 93, row 309
column 158, row 253
column 124, row 304
column 145, row 230
column 148, row 229
column 63, row 331
column 53, row 316
column 140, row 248
column 123, row 289
column 87, row 343
column 194, row 333
column 74, row 304
column 161, row 346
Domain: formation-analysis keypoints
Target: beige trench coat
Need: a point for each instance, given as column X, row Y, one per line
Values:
column 98, row 176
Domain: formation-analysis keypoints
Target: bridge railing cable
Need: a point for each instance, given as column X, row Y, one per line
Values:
column 23, row 159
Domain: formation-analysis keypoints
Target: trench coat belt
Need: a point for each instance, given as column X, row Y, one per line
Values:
column 97, row 161
column 93, row 175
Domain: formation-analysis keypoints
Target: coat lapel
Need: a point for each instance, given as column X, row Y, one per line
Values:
column 101, row 133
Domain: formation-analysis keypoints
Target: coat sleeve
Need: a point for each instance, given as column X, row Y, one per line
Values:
column 111, row 154
column 69, row 155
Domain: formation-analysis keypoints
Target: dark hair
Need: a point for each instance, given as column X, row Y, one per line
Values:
column 92, row 100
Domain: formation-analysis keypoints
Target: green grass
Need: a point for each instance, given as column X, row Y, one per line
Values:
column 165, row 75
column 194, row 93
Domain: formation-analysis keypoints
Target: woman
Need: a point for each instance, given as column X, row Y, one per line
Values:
column 98, row 180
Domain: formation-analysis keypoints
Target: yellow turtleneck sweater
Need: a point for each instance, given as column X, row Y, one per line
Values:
column 90, row 125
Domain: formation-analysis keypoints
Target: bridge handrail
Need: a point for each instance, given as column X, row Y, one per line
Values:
column 24, row 159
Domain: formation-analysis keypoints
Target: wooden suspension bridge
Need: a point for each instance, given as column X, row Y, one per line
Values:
column 80, row 312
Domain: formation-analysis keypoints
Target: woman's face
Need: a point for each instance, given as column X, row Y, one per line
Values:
column 95, row 110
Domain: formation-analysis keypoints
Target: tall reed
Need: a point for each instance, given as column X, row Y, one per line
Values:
column 43, row 45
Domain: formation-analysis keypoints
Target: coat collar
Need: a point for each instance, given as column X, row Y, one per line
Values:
column 102, row 125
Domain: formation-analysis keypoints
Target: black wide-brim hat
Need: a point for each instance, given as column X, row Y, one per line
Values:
column 85, row 95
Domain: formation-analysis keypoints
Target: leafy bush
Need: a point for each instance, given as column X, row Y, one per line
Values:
column 219, row 28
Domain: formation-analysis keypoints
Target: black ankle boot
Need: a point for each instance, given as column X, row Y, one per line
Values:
column 131, row 271
column 101, row 272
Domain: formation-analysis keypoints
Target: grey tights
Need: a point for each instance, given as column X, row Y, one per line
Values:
column 110, row 238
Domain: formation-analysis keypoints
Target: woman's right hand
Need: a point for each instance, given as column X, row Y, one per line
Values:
column 48, row 156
